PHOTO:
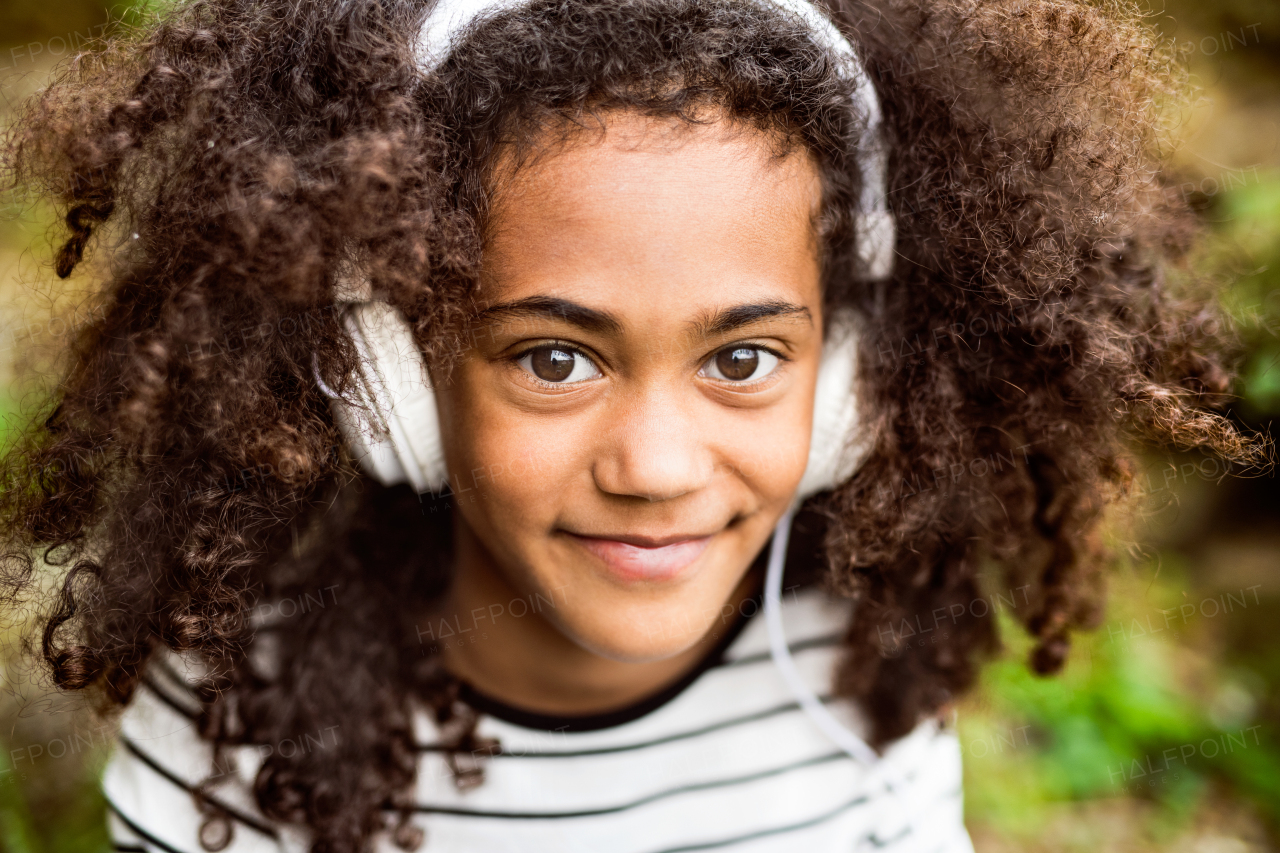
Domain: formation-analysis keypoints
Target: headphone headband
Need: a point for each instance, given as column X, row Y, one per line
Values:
column 449, row 21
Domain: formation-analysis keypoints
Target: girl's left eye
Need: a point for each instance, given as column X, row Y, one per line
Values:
column 558, row 365
column 741, row 364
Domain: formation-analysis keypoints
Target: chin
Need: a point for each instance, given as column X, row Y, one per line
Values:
column 645, row 632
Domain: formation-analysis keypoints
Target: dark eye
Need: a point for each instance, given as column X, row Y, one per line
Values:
column 741, row 364
column 560, row 365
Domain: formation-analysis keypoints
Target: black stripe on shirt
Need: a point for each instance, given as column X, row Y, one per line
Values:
column 627, row 747
column 920, row 814
column 785, row 708
column 167, row 699
column 683, row 789
column 874, row 839
column 163, row 666
column 121, row 847
column 765, row 833
column 821, row 642
column 231, row 811
column 495, row 707
column 781, row 830
column 572, row 753
column 816, row 642
column 800, row 646
column 139, row 831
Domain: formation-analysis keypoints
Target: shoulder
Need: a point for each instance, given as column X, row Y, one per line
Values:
column 814, row 626
column 163, row 785
column 917, row 788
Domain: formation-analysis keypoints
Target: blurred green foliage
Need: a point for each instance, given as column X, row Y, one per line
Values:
column 1250, row 220
column 68, row 817
column 1128, row 717
column 27, row 22
column 17, row 831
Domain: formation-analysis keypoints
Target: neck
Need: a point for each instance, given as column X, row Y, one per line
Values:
column 528, row 662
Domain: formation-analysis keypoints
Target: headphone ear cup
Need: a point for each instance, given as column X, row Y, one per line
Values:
column 834, row 449
column 877, row 234
column 393, row 428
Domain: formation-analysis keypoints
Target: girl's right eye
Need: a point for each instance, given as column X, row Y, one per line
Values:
column 558, row 364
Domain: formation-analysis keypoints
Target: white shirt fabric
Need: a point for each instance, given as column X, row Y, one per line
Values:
column 728, row 763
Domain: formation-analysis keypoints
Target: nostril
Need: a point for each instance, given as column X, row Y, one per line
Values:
column 641, row 469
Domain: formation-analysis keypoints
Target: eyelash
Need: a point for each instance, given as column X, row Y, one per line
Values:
column 576, row 350
column 782, row 359
column 563, row 346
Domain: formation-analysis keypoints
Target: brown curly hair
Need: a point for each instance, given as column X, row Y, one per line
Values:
column 235, row 156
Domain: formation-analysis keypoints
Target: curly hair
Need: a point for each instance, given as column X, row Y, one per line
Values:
column 244, row 153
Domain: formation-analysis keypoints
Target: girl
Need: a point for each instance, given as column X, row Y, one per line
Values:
column 460, row 366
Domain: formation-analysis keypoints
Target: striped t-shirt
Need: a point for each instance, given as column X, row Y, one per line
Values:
column 725, row 760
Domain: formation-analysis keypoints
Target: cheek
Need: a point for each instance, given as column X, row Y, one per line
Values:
column 768, row 450
column 504, row 465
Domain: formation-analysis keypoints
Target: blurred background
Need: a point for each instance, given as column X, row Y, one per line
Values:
column 1163, row 734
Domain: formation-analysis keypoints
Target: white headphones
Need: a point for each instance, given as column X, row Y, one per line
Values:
column 393, row 427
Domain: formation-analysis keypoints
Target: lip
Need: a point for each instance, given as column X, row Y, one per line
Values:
column 640, row 558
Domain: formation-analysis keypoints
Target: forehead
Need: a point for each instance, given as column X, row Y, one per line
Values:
column 656, row 217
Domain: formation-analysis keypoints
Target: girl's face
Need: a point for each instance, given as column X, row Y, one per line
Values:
column 634, row 414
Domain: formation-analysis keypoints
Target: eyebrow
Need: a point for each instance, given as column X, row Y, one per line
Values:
column 554, row 308
column 729, row 319
column 602, row 322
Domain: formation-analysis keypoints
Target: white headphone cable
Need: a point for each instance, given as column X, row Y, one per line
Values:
column 855, row 746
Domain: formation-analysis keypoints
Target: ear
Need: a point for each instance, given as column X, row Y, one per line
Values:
column 835, row 447
column 393, row 426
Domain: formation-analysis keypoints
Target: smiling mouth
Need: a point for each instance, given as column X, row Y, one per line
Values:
column 633, row 559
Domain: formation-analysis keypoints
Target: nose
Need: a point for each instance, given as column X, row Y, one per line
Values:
column 653, row 447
